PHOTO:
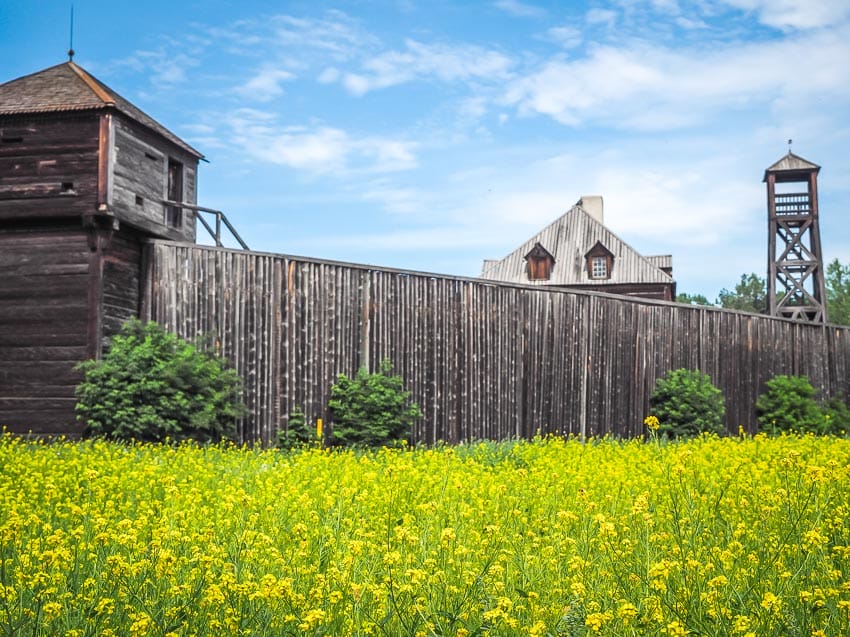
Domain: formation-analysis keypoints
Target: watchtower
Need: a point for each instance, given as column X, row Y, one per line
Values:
column 795, row 281
column 86, row 178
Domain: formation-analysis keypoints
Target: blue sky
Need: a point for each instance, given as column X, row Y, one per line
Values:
column 432, row 135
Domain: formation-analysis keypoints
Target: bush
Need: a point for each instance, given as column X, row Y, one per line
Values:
column 687, row 403
column 371, row 410
column 298, row 432
column 789, row 405
column 152, row 385
column 836, row 417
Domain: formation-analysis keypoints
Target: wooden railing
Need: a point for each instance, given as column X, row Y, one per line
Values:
column 219, row 219
column 795, row 203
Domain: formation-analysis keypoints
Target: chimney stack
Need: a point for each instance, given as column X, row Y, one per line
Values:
column 592, row 205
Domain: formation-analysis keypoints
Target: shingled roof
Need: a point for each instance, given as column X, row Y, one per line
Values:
column 68, row 87
column 568, row 240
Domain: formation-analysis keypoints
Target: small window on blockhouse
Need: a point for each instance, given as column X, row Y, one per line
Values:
column 539, row 262
column 600, row 261
column 174, row 214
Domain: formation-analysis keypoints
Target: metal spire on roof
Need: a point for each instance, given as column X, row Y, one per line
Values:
column 789, row 144
column 71, row 46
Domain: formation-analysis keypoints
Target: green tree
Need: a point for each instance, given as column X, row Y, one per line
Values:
column 749, row 295
column 371, row 410
column 152, row 385
column 838, row 292
column 692, row 299
column 789, row 405
column 686, row 403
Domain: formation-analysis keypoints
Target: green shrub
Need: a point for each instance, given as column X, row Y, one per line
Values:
column 298, row 432
column 152, row 385
column 836, row 417
column 371, row 409
column 686, row 403
column 789, row 405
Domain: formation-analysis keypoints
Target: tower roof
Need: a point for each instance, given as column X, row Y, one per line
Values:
column 791, row 163
column 68, row 87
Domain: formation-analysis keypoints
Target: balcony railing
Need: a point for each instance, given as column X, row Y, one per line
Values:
column 219, row 219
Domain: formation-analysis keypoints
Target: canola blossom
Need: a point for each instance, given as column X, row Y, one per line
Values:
column 735, row 536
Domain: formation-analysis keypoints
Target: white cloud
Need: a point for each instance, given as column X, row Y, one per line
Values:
column 566, row 36
column 335, row 34
column 387, row 155
column 570, row 92
column 323, row 149
column 648, row 87
column 328, row 76
column 520, row 9
column 392, row 198
column 601, row 16
column 793, row 14
column 266, row 84
column 680, row 203
column 164, row 69
column 666, row 6
column 691, row 24
column 473, row 107
column 418, row 60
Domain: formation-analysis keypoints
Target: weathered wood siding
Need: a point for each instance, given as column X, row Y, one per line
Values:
column 140, row 178
column 121, row 281
column 38, row 156
column 44, row 281
column 483, row 359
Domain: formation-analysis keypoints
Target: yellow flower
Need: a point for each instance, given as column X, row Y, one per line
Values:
column 51, row 610
column 627, row 612
column 595, row 621
column 770, row 602
column 652, row 423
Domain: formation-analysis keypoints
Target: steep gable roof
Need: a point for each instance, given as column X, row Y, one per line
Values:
column 791, row 162
column 67, row 87
column 568, row 239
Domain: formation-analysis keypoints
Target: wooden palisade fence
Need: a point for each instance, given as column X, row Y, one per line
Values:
column 483, row 359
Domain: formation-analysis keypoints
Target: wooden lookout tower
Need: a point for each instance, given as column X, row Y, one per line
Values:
column 85, row 179
column 795, row 281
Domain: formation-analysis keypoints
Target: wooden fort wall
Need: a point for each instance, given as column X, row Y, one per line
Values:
column 483, row 359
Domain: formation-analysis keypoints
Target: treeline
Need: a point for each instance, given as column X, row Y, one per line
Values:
column 750, row 294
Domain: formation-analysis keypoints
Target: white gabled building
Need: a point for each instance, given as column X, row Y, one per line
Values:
column 577, row 250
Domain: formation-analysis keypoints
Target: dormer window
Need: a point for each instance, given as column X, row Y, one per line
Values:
column 600, row 262
column 599, row 268
column 539, row 261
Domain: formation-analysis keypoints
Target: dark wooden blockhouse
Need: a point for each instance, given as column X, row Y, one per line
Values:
column 85, row 177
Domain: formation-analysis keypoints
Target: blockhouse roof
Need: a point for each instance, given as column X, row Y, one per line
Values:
column 68, row 87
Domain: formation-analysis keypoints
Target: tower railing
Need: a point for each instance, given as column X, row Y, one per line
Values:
column 793, row 203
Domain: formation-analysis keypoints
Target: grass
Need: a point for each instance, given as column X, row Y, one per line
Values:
column 733, row 536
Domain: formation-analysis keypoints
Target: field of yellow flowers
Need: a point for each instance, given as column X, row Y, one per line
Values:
column 734, row 536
